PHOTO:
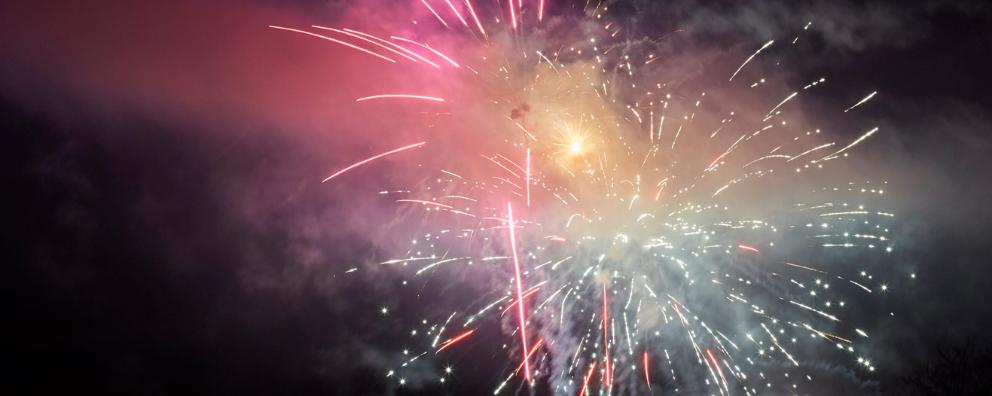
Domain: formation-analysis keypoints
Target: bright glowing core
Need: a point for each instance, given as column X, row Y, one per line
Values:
column 576, row 147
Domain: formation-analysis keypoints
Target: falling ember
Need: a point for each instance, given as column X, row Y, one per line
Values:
column 582, row 132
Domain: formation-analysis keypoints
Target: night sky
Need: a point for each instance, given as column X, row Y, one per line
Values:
column 166, row 232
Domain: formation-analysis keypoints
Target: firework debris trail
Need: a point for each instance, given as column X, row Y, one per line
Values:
column 634, row 186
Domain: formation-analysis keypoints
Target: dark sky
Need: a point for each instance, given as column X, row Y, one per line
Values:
column 165, row 231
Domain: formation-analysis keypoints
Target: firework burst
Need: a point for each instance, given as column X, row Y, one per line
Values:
column 638, row 234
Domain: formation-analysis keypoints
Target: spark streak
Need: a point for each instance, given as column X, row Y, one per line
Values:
column 365, row 39
column 367, row 160
column 349, row 45
column 426, row 4
column 750, row 58
column 647, row 370
column 388, row 96
column 527, row 180
column 520, row 297
column 454, row 340
column 608, row 375
column 429, row 48
column 585, row 382
column 458, row 14
column 471, row 11
column 862, row 101
column 513, row 13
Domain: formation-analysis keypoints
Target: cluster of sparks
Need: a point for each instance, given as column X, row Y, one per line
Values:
column 641, row 242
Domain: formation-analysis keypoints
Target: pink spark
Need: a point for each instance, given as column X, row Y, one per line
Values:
column 682, row 317
column 513, row 14
column 434, row 12
column 718, row 369
column 585, row 382
column 647, row 375
column 367, row 160
column 540, row 10
column 502, row 166
column 528, row 177
column 335, row 41
column 440, row 205
column 458, row 14
column 471, row 11
column 515, row 165
column 514, row 302
column 540, row 341
column 746, row 247
column 427, row 47
column 364, row 39
column 397, row 46
column 520, row 297
column 387, row 96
